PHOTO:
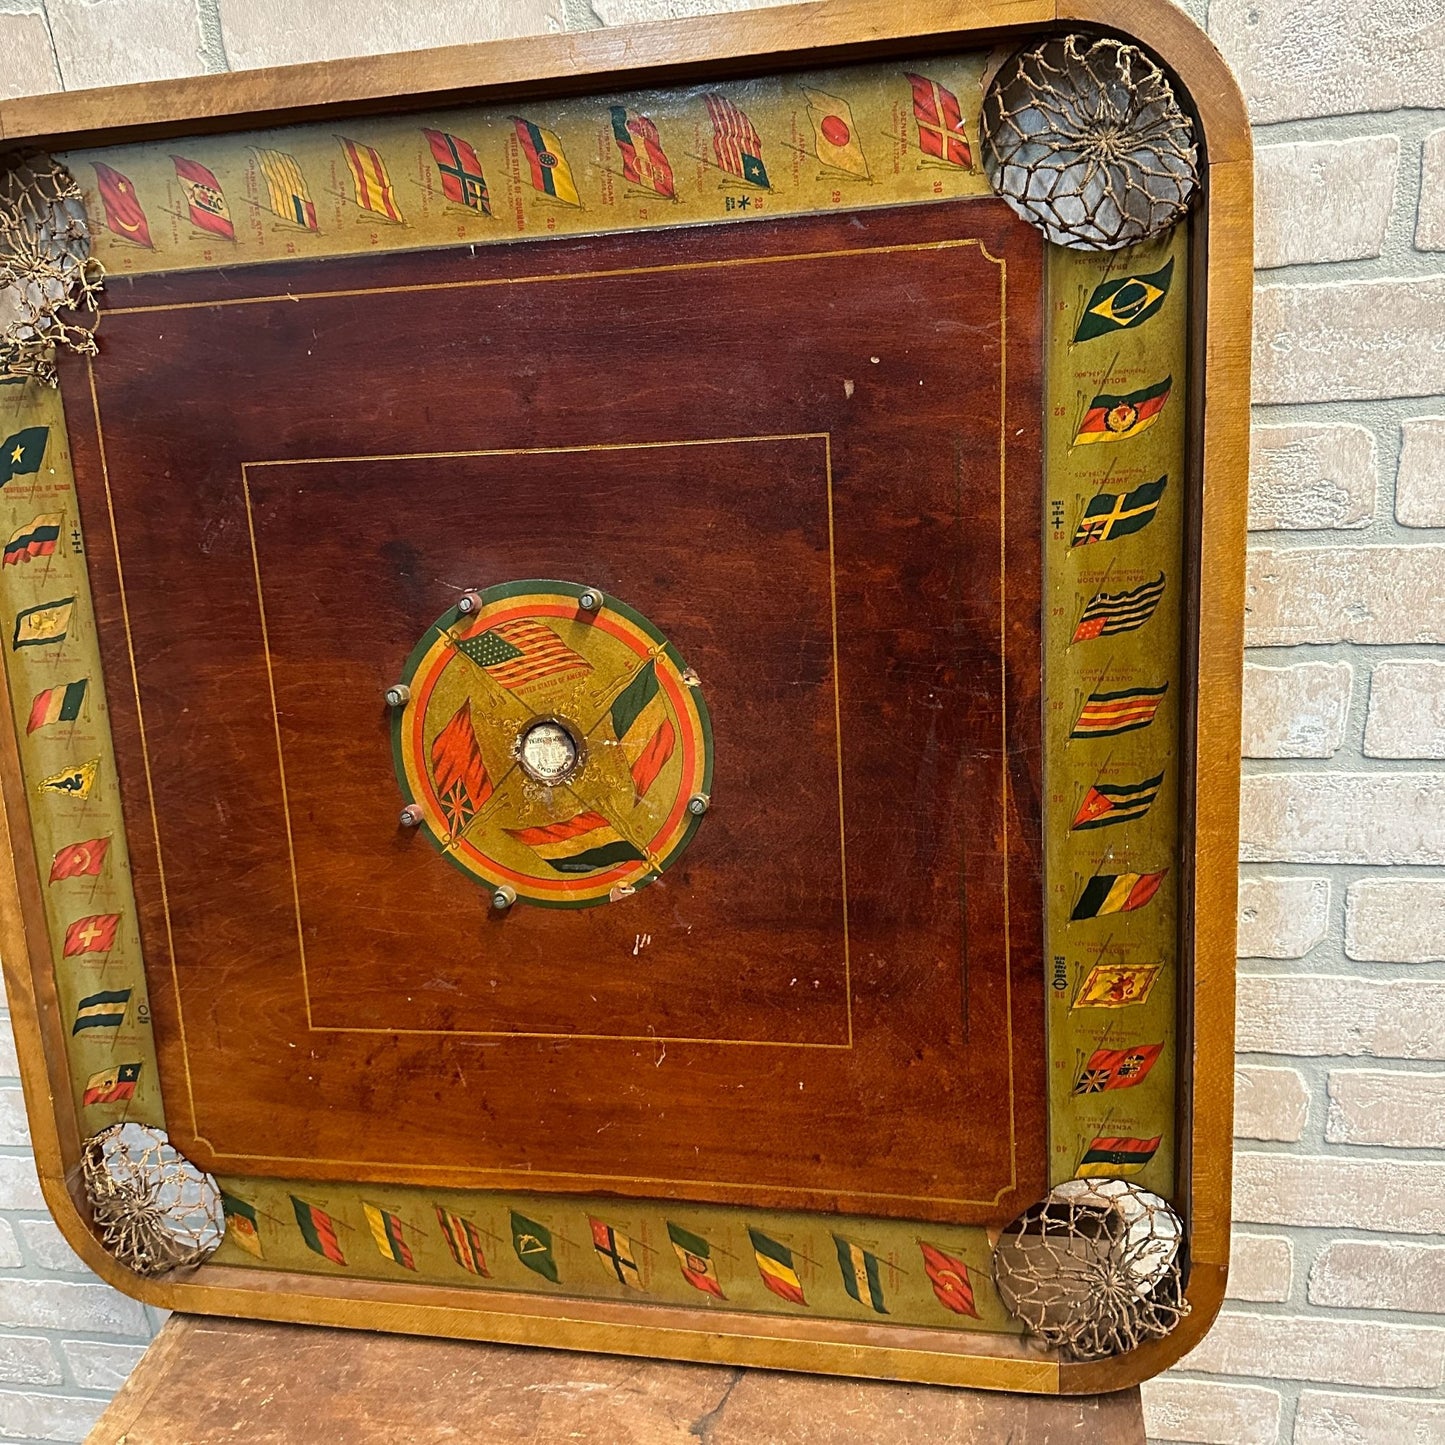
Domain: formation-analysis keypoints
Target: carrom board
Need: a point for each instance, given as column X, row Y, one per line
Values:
column 594, row 735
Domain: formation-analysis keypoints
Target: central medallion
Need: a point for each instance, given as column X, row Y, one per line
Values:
column 552, row 743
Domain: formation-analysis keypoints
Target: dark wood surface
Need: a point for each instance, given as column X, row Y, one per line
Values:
column 205, row 1382
column 426, row 1038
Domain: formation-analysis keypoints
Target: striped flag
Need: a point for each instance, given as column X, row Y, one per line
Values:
column 1117, row 1068
column 522, row 653
column 1116, row 893
column 286, row 193
column 1116, row 418
column 694, row 1257
column 1109, row 1156
column 61, row 703
column 458, row 773
column 1108, row 613
column 464, row 1240
column 735, row 142
column 551, row 175
column 860, row 1273
column 1108, row 803
column 775, row 1265
column 461, row 171
column 207, row 203
column 582, row 844
column 318, row 1229
column 101, row 1011
column 643, row 725
column 112, row 1086
column 1106, row 714
column 941, row 132
column 369, row 180
column 39, row 537
column 644, row 162
column 949, row 1278
column 387, row 1234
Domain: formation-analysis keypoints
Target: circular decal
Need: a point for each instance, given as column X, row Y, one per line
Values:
column 559, row 752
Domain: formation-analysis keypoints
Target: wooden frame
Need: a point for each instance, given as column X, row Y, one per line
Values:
column 835, row 30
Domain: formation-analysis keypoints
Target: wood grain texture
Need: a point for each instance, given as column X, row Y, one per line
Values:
column 202, row 1380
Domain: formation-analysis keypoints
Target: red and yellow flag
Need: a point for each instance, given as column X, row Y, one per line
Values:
column 369, row 180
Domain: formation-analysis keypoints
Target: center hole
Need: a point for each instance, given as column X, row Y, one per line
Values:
column 548, row 751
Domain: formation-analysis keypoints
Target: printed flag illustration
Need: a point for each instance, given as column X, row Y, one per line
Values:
column 694, row 1255
column 1109, row 516
column 522, row 653
column 123, row 214
column 1112, row 985
column 286, row 193
column 1107, row 714
column 580, row 845
column 1111, row 1156
column 775, row 1265
column 941, row 133
column 95, row 934
column 461, row 171
column 835, row 137
column 369, row 181
column 242, row 1224
column 735, row 142
column 551, row 175
column 533, row 1243
column 207, row 203
column 39, row 537
column 1116, row 893
column 101, row 1011
column 642, row 724
column 458, row 773
column 22, row 452
column 386, row 1233
column 42, row 624
column 860, row 1273
column 57, row 704
column 1117, row 1068
column 1116, row 418
column 74, row 782
column 1128, row 301
column 318, row 1229
column 80, row 860
column 644, row 162
column 1108, row 803
column 949, row 1278
column 112, row 1086
column 464, row 1240
column 1109, row 613
column 615, row 1249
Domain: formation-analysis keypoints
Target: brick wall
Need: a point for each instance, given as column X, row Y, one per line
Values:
column 1335, row 1329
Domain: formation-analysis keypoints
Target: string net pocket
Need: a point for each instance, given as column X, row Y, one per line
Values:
column 153, row 1209
column 1094, row 1269
column 1084, row 139
column 49, row 282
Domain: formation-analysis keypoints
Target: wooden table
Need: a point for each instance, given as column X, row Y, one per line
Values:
column 213, row 1380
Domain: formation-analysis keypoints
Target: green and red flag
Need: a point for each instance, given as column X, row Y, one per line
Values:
column 1117, row 1068
column 1108, row 803
column 1106, row 714
column 615, row 1249
column 464, row 1240
column 57, row 704
column 1108, row 1156
column 644, row 162
column 1127, row 301
column 642, row 723
column 949, row 1277
column 242, row 1224
column 318, row 1229
column 861, row 1273
column 533, row 1243
column 1116, row 893
column 582, row 844
column 775, row 1265
column 694, row 1256
column 1113, row 418
column 387, row 1233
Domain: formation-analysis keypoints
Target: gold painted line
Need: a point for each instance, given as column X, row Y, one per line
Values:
column 280, row 755
column 730, row 263
column 144, row 749
column 838, row 731
column 589, row 1038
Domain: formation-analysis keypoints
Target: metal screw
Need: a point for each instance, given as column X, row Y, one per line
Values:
column 503, row 896
column 591, row 600
column 698, row 804
column 398, row 696
column 469, row 602
column 411, row 816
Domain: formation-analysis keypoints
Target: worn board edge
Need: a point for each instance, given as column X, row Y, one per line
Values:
column 836, row 29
